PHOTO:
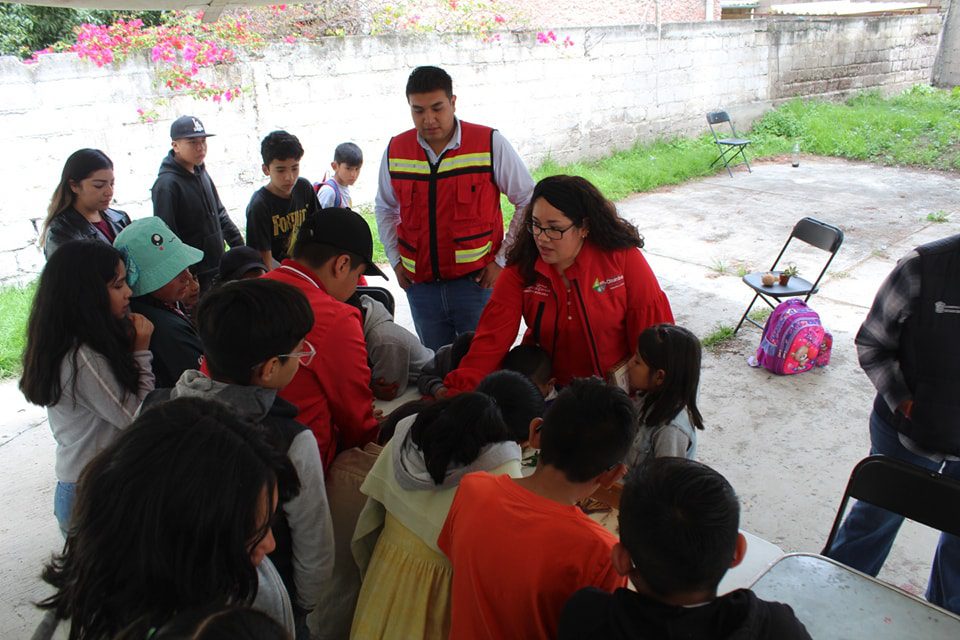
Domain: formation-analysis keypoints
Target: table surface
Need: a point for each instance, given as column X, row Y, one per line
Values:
column 835, row 601
column 760, row 555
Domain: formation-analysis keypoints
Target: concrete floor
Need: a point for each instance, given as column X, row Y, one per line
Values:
column 787, row 444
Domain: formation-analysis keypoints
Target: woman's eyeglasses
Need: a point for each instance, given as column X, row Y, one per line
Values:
column 552, row 233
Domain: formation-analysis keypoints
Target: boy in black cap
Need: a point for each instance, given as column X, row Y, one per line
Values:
column 186, row 199
column 241, row 263
column 331, row 252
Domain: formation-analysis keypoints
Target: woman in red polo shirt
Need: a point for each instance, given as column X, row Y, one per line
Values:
column 577, row 278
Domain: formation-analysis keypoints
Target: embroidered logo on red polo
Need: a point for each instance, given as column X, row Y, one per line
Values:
column 601, row 286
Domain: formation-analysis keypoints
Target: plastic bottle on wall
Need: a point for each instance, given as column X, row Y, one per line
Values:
column 795, row 158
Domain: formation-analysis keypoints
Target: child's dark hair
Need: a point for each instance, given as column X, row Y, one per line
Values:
column 677, row 352
column 588, row 429
column 427, row 79
column 679, row 521
column 455, row 431
column 280, row 145
column 165, row 520
column 72, row 308
column 349, row 154
column 246, row 322
column 518, row 399
column 407, row 409
column 530, row 360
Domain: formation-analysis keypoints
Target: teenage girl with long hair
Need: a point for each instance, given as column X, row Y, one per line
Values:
column 665, row 373
column 172, row 518
column 80, row 206
column 87, row 359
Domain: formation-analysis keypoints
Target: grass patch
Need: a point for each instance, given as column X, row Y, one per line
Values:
column 938, row 217
column 379, row 255
column 14, row 308
column 919, row 127
column 721, row 334
column 719, row 267
column 760, row 314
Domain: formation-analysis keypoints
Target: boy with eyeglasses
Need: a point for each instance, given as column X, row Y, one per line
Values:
column 521, row 547
column 253, row 334
column 185, row 197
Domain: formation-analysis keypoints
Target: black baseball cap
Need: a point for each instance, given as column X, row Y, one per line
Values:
column 188, row 127
column 238, row 261
column 344, row 229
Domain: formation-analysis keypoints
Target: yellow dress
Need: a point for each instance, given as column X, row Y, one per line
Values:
column 406, row 589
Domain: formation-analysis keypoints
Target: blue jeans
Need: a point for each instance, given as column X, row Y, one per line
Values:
column 63, row 499
column 444, row 309
column 867, row 533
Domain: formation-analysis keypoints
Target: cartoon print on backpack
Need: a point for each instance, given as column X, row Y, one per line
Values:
column 793, row 340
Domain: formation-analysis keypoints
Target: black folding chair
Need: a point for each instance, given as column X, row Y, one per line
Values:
column 813, row 232
column 381, row 295
column 916, row 493
column 729, row 148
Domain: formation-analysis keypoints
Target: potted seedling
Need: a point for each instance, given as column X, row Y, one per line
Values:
column 788, row 273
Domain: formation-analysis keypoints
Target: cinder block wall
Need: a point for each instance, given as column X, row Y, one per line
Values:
column 615, row 85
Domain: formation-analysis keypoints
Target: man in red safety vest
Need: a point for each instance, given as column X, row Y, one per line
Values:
column 438, row 209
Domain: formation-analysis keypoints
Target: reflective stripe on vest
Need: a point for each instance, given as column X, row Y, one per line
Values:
column 464, row 256
column 447, row 165
column 409, row 264
column 466, row 161
column 407, row 165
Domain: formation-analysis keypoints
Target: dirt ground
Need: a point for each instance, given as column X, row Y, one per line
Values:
column 787, row 444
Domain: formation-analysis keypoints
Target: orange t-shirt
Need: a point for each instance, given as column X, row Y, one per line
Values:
column 517, row 558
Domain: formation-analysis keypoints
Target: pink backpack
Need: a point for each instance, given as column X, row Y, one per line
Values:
column 793, row 340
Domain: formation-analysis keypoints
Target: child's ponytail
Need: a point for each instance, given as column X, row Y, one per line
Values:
column 454, row 431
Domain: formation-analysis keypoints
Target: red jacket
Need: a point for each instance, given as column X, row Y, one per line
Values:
column 613, row 297
column 450, row 219
column 333, row 393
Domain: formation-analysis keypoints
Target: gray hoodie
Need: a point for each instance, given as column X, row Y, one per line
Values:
column 307, row 514
column 93, row 408
column 396, row 355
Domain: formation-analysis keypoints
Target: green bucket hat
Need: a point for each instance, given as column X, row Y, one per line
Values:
column 154, row 254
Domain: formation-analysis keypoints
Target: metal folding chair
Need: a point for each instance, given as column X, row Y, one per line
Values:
column 921, row 495
column 811, row 231
column 381, row 295
column 729, row 148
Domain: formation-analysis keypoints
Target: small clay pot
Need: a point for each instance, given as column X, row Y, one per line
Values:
column 784, row 279
column 768, row 279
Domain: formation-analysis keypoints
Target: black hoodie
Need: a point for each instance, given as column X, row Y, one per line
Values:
column 189, row 204
column 625, row 614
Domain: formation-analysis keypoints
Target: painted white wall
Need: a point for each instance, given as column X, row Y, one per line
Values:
column 615, row 86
